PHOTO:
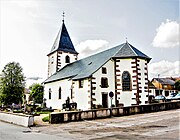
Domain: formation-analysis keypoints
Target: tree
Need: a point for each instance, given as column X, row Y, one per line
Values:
column 177, row 85
column 37, row 92
column 12, row 84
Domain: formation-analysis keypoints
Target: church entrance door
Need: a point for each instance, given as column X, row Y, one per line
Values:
column 105, row 100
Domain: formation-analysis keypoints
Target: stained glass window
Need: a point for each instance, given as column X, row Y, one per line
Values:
column 126, row 81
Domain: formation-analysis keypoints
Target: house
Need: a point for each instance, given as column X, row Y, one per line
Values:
column 122, row 69
column 163, row 86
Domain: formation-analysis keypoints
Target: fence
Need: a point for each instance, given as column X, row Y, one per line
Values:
column 107, row 112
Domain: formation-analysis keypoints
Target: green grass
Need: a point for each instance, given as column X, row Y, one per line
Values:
column 43, row 112
column 45, row 119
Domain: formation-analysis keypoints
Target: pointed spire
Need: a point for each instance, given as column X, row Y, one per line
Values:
column 63, row 41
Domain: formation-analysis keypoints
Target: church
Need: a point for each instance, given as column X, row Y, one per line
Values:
column 122, row 69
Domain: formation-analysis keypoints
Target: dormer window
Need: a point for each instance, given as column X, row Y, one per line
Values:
column 67, row 59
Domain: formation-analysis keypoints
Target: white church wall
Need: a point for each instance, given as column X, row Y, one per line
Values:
column 52, row 64
column 55, row 102
column 125, row 97
column 73, row 57
column 143, row 80
column 111, row 83
column 82, row 95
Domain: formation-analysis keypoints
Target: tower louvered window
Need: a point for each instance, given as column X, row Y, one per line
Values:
column 67, row 59
column 126, row 81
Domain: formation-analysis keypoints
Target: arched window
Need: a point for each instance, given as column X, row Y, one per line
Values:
column 50, row 93
column 126, row 81
column 59, row 92
column 67, row 59
column 104, row 82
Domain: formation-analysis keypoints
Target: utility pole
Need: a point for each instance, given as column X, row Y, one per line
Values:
column 159, row 83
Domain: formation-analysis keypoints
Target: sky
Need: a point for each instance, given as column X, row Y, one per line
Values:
column 28, row 29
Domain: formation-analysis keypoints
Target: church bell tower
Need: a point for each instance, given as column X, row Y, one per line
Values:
column 62, row 51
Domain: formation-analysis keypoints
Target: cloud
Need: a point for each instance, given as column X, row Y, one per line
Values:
column 164, row 68
column 167, row 35
column 89, row 47
column 34, row 78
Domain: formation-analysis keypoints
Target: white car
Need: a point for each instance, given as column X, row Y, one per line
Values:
column 170, row 97
column 177, row 97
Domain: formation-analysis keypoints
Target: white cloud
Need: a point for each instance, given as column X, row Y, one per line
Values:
column 167, row 35
column 89, row 47
column 165, row 69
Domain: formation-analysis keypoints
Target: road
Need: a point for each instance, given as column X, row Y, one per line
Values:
column 152, row 126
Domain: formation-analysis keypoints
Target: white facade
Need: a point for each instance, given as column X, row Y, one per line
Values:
column 54, row 101
column 88, row 82
column 58, row 60
column 96, row 83
column 92, row 93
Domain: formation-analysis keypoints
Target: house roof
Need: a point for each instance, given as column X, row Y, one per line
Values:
column 165, row 81
column 63, row 41
column 86, row 67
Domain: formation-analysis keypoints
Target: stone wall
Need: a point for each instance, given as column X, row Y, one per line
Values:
column 106, row 112
column 23, row 120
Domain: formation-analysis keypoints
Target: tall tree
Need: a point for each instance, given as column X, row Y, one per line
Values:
column 37, row 92
column 177, row 85
column 12, row 84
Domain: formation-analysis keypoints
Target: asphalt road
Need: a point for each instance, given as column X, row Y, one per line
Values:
column 152, row 126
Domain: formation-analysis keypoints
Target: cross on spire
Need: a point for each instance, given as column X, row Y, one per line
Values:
column 63, row 15
column 126, row 40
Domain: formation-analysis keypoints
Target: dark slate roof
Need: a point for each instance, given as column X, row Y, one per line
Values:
column 63, row 42
column 129, row 51
column 86, row 67
column 165, row 81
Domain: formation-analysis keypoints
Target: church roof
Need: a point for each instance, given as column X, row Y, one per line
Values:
column 63, row 41
column 86, row 67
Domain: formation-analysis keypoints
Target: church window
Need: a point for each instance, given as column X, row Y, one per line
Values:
column 52, row 60
column 50, row 93
column 59, row 92
column 81, row 82
column 104, row 82
column 104, row 70
column 67, row 59
column 126, row 81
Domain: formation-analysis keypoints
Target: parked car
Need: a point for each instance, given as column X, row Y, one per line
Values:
column 177, row 97
column 160, row 98
column 171, row 96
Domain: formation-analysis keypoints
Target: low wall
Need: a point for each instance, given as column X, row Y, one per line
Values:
column 106, row 112
column 23, row 120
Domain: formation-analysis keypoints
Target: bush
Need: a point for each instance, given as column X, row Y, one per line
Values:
column 45, row 119
column 17, row 111
column 44, row 112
